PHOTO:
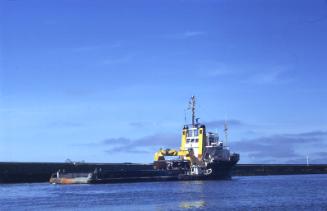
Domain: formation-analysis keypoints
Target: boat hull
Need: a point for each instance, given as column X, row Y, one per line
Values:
column 219, row 171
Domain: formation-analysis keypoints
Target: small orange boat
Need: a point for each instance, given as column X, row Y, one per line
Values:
column 72, row 178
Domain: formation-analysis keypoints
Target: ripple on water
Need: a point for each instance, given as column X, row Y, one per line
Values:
column 241, row 193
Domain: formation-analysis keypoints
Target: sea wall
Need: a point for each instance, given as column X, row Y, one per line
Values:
column 278, row 169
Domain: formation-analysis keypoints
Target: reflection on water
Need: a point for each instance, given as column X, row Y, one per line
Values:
column 192, row 204
column 197, row 187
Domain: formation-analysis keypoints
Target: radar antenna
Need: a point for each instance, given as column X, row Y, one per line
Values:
column 192, row 107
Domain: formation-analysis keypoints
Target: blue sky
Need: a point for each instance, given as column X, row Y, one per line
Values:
column 108, row 81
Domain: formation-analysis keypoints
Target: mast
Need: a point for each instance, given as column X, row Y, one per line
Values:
column 226, row 132
column 185, row 122
column 192, row 107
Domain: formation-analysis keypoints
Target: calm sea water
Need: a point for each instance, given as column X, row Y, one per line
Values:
column 296, row 192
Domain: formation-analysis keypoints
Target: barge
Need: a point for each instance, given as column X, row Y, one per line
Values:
column 202, row 156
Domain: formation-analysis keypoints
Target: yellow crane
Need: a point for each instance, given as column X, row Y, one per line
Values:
column 162, row 153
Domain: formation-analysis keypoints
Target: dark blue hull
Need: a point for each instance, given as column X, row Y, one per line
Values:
column 220, row 170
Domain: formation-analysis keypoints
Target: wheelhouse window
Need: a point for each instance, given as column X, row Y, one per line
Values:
column 196, row 132
column 189, row 133
column 192, row 132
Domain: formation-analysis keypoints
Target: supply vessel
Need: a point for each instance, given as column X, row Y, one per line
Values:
column 202, row 156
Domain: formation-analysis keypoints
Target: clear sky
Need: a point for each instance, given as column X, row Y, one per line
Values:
column 109, row 81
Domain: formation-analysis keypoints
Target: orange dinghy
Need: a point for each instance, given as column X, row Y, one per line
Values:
column 71, row 178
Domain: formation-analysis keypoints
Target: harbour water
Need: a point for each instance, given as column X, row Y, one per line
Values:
column 289, row 192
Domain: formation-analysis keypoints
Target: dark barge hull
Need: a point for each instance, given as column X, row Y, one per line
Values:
column 23, row 172
column 219, row 170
